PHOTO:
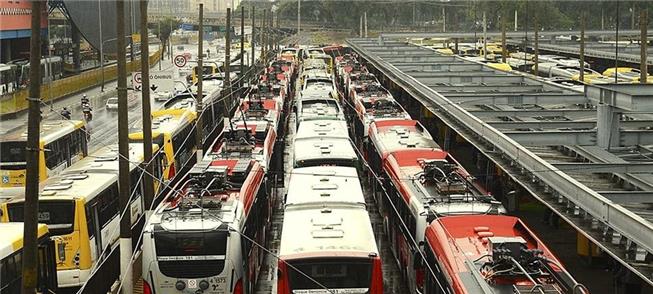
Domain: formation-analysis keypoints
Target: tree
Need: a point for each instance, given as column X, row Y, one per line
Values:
column 166, row 26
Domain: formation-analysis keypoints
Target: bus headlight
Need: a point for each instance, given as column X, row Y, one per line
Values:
column 204, row 284
column 180, row 285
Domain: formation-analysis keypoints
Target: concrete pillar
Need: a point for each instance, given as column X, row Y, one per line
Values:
column 607, row 133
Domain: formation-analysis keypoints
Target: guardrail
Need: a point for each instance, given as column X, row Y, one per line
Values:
column 17, row 101
column 631, row 226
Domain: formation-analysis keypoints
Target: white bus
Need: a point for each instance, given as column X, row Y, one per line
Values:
column 200, row 237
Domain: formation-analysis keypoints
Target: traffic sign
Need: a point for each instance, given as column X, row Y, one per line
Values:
column 137, row 79
column 180, row 61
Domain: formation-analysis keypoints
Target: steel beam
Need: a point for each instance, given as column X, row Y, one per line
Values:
column 632, row 124
column 592, row 168
column 517, row 34
column 553, row 137
column 628, row 197
column 487, row 78
column 520, row 99
column 479, row 89
column 533, row 113
column 441, row 67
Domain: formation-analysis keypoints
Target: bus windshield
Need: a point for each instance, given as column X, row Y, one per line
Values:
column 332, row 273
column 59, row 215
column 12, row 152
column 191, row 254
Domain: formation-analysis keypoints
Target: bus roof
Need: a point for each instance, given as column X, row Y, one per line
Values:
column 89, row 176
column 464, row 245
column 165, row 121
column 12, row 237
column 324, row 184
column 323, row 128
column 392, row 135
column 50, row 131
column 323, row 148
column 330, row 230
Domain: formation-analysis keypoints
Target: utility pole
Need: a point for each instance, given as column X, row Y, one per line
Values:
column 365, row 16
column 444, row 19
column 299, row 16
column 199, row 136
column 99, row 11
column 123, row 150
column 537, row 47
column 271, row 32
column 148, row 181
column 616, row 44
column 253, row 62
column 226, row 82
column 360, row 26
column 504, row 52
column 484, row 36
column 516, row 21
column 242, row 42
column 31, row 208
column 643, row 23
column 264, row 37
column 582, row 47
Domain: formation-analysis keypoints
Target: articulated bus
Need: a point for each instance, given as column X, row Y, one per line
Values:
column 62, row 143
column 80, row 207
column 11, row 259
column 173, row 132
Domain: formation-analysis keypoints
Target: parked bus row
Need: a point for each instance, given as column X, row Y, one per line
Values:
column 327, row 241
column 209, row 232
column 447, row 234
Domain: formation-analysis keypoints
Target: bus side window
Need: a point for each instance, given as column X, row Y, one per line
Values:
column 90, row 224
column 53, row 155
column 10, row 274
column 108, row 200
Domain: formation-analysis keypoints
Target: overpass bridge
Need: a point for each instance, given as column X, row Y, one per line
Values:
column 588, row 156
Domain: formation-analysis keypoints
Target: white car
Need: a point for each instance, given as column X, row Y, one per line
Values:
column 161, row 96
column 112, row 103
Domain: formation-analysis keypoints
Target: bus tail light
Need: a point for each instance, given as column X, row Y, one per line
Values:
column 419, row 278
column 171, row 171
column 238, row 289
column 146, row 288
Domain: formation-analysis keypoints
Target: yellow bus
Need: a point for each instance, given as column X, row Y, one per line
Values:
column 62, row 143
column 80, row 207
column 328, row 60
column 173, row 132
column 11, row 259
column 208, row 69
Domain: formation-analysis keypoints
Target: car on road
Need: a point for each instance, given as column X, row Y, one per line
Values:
column 161, row 95
column 112, row 103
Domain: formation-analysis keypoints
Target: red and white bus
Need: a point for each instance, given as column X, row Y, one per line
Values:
column 327, row 242
column 489, row 254
column 200, row 237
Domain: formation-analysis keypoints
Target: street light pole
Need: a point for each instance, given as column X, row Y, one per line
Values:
column 99, row 11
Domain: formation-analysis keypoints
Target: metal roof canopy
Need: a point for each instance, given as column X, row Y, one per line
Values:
column 88, row 16
column 623, row 233
column 509, row 34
